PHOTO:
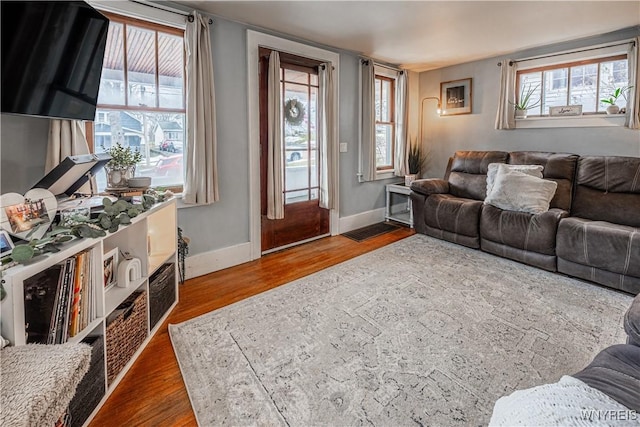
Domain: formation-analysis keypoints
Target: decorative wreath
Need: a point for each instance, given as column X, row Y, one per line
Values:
column 294, row 112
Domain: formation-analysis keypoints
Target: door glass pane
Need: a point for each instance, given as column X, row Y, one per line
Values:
column 141, row 67
column 112, row 79
column 583, row 89
column 556, row 88
column 296, row 196
column 314, row 167
column 170, row 70
column 296, row 76
column 159, row 137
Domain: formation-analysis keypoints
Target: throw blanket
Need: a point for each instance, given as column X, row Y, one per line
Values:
column 569, row 402
column 39, row 381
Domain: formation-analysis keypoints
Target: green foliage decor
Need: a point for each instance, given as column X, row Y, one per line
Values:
column 617, row 93
column 122, row 157
column 525, row 102
column 114, row 215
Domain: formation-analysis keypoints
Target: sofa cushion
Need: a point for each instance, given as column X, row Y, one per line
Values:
column 492, row 171
column 468, row 176
column 615, row 371
column 558, row 167
column 454, row 214
column 521, row 230
column 608, row 189
column 599, row 244
column 430, row 186
column 632, row 322
column 517, row 191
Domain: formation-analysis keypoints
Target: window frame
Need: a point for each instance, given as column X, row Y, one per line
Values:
column 379, row 77
column 157, row 28
column 567, row 65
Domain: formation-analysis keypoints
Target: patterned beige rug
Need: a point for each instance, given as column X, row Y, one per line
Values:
column 419, row 332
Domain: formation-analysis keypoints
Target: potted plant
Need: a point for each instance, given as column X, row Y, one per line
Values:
column 122, row 165
column 611, row 100
column 525, row 102
column 415, row 160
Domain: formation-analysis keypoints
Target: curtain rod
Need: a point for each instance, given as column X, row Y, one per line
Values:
column 189, row 16
column 631, row 42
column 366, row 62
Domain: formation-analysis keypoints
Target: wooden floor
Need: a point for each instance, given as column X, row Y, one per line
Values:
column 153, row 393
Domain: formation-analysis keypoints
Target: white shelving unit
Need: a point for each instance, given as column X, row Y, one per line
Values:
column 151, row 237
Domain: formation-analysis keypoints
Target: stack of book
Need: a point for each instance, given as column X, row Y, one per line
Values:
column 60, row 301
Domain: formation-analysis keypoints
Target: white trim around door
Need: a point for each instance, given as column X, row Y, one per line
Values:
column 254, row 41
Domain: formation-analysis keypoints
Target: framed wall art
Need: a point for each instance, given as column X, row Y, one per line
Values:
column 456, row 97
column 110, row 268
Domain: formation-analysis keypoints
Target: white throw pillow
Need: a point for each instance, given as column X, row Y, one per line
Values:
column 533, row 170
column 517, row 191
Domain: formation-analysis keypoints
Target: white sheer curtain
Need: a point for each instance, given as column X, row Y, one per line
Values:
column 201, row 171
column 633, row 102
column 275, row 183
column 505, row 118
column 66, row 138
column 368, row 121
column 402, row 117
column 326, row 133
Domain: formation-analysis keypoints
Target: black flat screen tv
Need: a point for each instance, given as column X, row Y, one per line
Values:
column 52, row 53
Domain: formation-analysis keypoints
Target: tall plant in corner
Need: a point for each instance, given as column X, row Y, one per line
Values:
column 416, row 158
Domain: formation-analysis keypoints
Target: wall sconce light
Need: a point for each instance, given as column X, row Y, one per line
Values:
column 439, row 111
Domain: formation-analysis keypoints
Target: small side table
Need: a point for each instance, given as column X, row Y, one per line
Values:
column 405, row 216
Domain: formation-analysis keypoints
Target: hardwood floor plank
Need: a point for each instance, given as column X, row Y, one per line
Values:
column 153, row 392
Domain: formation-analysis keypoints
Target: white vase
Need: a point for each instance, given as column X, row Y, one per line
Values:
column 613, row 109
column 521, row 114
column 408, row 179
column 118, row 177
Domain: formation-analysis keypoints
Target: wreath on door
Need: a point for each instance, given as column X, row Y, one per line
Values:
column 294, row 112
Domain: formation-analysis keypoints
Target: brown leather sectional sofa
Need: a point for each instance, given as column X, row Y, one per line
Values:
column 591, row 231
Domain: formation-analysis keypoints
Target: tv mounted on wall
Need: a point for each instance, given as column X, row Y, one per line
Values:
column 52, row 53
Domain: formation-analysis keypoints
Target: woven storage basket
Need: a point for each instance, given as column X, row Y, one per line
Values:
column 126, row 330
column 162, row 292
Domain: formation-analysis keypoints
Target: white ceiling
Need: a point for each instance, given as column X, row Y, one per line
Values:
column 424, row 35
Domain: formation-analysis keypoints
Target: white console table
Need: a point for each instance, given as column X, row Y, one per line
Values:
column 404, row 216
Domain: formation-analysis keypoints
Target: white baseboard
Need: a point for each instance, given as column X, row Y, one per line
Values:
column 363, row 219
column 219, row 259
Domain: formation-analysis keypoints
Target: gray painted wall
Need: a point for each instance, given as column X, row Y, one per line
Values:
column 226, row 223
column 444, row 135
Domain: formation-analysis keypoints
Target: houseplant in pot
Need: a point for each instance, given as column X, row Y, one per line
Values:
column 613, row 97
column 525, row 102
column 122, row 165
column 415, row 160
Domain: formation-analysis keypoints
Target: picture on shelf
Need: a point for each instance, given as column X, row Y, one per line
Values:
column 110, row 268
column 28, row 215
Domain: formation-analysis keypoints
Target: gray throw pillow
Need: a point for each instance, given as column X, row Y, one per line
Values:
column 492, row 170
column 517, row 191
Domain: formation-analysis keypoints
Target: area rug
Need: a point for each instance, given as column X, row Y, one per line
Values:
column 370, row 231
column 420, row 332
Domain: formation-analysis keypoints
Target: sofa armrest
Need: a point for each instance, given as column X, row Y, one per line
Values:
column 430, row 186
column 632, row 322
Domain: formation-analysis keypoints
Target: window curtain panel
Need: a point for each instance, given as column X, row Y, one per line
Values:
column 275, row 183
column 368, row 120
column 201, row 172
column 402, row 121
column 505, row 117
column 67, row 138
column 633, row 101
column 326, row 133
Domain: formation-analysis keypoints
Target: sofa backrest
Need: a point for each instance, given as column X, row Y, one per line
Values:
column 468, row 176
column 608, row 189
column 558, row 167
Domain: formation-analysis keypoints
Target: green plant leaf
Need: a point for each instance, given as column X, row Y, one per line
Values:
column 22, row 253
column 107, row 201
